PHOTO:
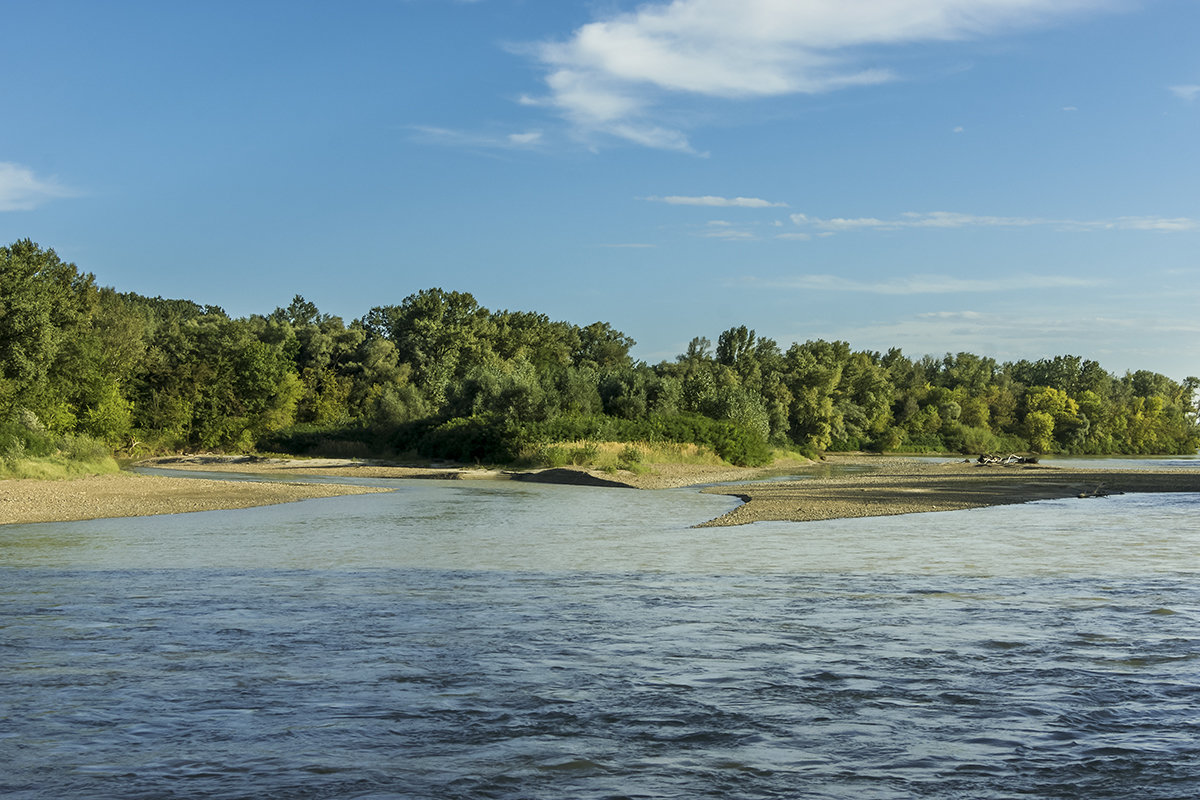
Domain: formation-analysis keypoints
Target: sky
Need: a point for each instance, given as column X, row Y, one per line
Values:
column 1011, row 178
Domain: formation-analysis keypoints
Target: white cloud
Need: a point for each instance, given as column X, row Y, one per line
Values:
column 950, row 315
column 953, row 219
column 930, row 284
column 533, row 137
column 1156, row 224
column 1188, row 92
column 958, row 129
column 22, row 190
column 717, row 202
column 1118, row 341
column 610, row 76
column 485, row 141
column 723, row 231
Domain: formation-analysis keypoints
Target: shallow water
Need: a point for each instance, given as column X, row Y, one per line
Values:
column 517, row 640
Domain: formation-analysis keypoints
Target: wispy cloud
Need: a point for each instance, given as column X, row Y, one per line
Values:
column 484, row 141
column 1118, row 340
column 525, row 139
column 612, row 76
column 1188, row 92
column 22, row 190
column 951, row 219
column 717, row 202
column 929, row 284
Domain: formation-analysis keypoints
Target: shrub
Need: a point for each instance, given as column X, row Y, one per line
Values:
column 630, row 455
column 585, row 454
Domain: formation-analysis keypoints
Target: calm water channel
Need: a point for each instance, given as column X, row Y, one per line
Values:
column 503, row 640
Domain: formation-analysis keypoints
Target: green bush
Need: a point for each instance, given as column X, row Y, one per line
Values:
column 630, row 455
column 28, row 449
column 585, row 454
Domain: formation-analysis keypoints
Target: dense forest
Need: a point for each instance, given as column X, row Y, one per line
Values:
column 442, row 377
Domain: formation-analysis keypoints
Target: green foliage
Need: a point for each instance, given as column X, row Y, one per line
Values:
column 1039, row 428
column 440, row 376
column 486, row 440
column 631, row 455
column 585, row 454
column 29, row 450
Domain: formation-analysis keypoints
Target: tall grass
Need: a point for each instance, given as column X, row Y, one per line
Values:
column 28, row 450
column 632, row 456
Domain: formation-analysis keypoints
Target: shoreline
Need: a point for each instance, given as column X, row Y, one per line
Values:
column 905, row 487
column 123, row 494
column 888, row 485
column 658, row 476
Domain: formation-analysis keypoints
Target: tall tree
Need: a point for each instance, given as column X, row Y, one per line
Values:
column 41, row 299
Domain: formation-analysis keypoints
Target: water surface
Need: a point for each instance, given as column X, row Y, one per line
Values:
column 504, row 640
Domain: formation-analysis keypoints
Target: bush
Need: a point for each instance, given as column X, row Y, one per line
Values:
column 585, row 454
column 548, row 455
column 29, row 450
column 477, row 438
column 630, row 455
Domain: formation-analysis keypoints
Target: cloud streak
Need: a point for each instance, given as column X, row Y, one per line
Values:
column 612, row 76
column 22, row 190
column 712, row 201
column 454, row 138
column 950, row 220
column 930, row 284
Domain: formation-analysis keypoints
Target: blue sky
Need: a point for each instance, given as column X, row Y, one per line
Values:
column 1014, row 178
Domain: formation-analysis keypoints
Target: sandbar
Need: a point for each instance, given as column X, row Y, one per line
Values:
column 129, row 495
column 902, row 486
column 656, row 476
column 883, row 486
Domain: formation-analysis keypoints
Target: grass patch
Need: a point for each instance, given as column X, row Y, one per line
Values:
column 637, row 457
column 55, row 468
column 28, row 450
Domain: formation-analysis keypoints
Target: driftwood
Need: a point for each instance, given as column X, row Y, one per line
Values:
column 1012, row 458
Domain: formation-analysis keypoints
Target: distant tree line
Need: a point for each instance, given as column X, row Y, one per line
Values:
column 441, row 376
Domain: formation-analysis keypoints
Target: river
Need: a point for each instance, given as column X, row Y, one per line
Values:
column 506, row 640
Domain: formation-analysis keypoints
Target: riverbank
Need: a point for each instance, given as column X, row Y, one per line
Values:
column 655, row 476
column 902, row 486
column 128, row 495
column 843, row 486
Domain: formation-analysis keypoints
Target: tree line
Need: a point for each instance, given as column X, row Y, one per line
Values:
column 441, row 376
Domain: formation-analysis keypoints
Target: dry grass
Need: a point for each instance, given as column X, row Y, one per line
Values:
column 632, row 456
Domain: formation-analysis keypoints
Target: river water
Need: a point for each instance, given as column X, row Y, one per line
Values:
column 506, row 640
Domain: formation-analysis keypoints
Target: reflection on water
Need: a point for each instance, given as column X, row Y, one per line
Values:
column 518, row 640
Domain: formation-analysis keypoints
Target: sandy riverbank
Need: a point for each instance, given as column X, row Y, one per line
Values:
column 900, row 486
column 657, row 476
column 892, row 486
column 128, row 495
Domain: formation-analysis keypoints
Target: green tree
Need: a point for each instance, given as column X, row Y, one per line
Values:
column 602, row 347
column 40, row 301
column 439, row 333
